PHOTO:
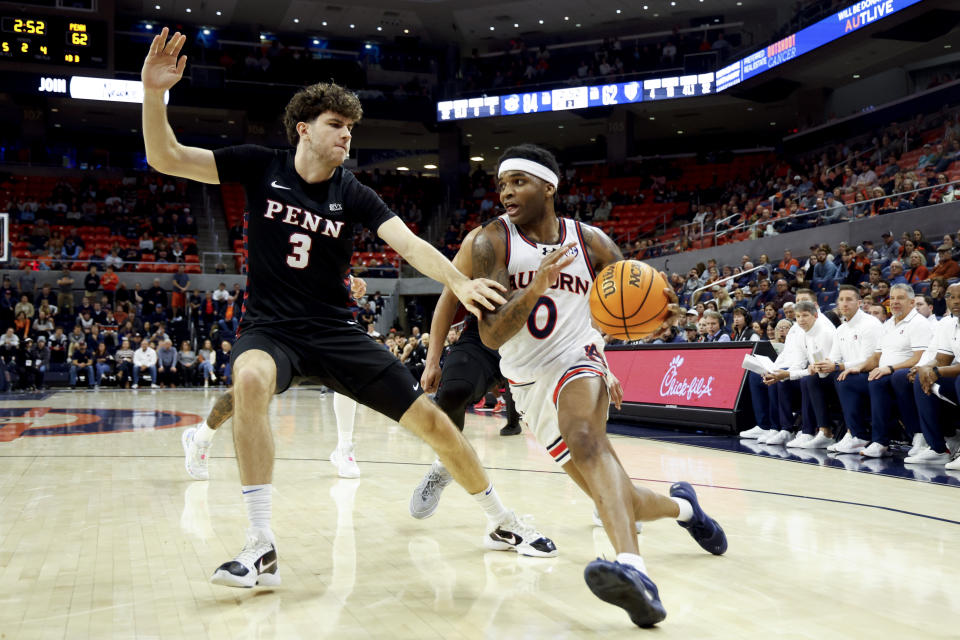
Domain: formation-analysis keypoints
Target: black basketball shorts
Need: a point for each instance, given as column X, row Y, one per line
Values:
column 341, row 355
column 470, row 361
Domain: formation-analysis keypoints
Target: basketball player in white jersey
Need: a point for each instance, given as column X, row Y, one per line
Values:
column 197, row 440
column 553, row 358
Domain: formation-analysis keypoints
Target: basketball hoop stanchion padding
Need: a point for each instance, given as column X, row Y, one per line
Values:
column 696, row 386
column 4, row 236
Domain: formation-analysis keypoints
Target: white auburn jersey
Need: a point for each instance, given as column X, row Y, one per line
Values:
column 559, row 327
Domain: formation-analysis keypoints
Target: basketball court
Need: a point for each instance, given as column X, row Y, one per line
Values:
column 103, row 535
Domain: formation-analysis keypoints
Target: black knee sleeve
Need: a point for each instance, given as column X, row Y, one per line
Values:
column 453, row 396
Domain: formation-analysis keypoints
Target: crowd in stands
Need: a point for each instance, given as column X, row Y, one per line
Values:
column 59, row 222
column 114, row 335
column 860, row 339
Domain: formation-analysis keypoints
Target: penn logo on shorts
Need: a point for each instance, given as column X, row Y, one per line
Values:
column 558, row 450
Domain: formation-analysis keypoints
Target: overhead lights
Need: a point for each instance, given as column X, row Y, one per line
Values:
column 559, row 126
column 540, row 20
column 219, row 13
column 856, row 76
column 429, row 166
column 406, row 30
column 618, row 10
column 324, row 23
column 379, row 28
column 296, row 21
column 567, row 18
column 157, row 7
column 148, row 27
column 496, row 148
column 773, row 124
column 206, row 32
column 578, row 24
column 948, row 46
column 231, row 122
column 469, row 135
column 491, row 27
column 57, row 125
column 403, row 168
column 368, row 46
column 673, row 4
column 263, row 37
column 54, row 110
column 476, row 158
column 645, row 7
column 593, row 139
column 516, row 26
column 353, row 26
column 133, row 130
column 679, row 132
column 189, row 10
column 223, row 135
column 739, row 4
column 315, row 42
column 653, row 117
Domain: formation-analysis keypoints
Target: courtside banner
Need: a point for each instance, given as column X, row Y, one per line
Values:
column 699, row 377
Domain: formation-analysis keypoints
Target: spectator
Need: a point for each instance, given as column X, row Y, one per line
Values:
column 221, row 364
column 743, row 330
column 181, row 285
column 206, row 360
column 783, row 294
column 145, row 361
column 789, row 264
column 103, row 362
column 946, row 267
column 109, row 283
column 25, row 307
column 187, row 359
column 220, row 299
column 938, row 289
column 124, row 364
column 40, row 362
column 155, row 295
column 918, row 269
column 883, row 377
column 896, row 273
column 889, row 250
column 81, row 362
column 824, row 272
column 167, row 361
column 713, row 327
column 65, row 295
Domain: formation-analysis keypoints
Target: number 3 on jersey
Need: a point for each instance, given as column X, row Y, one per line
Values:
column 533, row 326
column 300, row 257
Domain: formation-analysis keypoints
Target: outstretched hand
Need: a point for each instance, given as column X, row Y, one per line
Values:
column 550, row 267
column 162, row 68
column 675, row 313
column 479, row 294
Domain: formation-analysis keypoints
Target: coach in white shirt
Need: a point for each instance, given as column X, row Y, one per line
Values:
column 944, row 371
column 145, row 361
column 855, row 342
column 903, row 340
column 765, row 398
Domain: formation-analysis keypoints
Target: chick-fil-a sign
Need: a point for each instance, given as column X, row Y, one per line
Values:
column 701, row 377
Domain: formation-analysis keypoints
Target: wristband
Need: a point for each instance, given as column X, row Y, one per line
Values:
column 936, row 372
column 891, row 369
column 836, row 367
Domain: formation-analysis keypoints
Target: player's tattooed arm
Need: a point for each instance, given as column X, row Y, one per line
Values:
column 601, row 250
column 489, row 260
column 222, row 409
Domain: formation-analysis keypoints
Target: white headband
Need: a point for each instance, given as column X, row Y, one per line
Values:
column 529, row 166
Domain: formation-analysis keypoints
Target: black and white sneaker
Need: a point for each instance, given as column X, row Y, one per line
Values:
column 518, row 534
column 256, row 564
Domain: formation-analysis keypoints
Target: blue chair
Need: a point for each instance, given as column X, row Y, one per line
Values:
column 832, row 296
column 823, row 299
column 757, row 315
column 921, row 288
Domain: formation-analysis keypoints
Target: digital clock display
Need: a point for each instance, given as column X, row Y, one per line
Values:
column 53, row 40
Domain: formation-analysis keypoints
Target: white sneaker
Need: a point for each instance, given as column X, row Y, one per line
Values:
column 753, row 433
column 206, row 383
column 919, row 444
column 518, row 534
column 953, row 466
column 800, row 440
column 195, row 455
column 853, row 445
column 766, row 435
column 599, row 523
column 256, row 564
column 928, row 456
column 134, row 385
column 780, row 437
column 833, row 448
column 154, row 386
column 819, row 441
column 875, row 450
column 345, row 463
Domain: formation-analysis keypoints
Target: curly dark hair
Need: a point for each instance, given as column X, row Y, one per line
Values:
column 310, row 102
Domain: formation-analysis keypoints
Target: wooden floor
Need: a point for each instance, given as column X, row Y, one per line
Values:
column 103, row 535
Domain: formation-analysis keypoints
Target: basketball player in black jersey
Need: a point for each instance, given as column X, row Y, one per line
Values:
column 527, row 179
column 302, row 207
column 470, row 369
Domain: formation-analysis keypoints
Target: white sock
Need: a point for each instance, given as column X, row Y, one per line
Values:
column 686, row 509
column 257, row 497
column 204, row 433
column 491, row 504
column 346, row 411
column 633, row 560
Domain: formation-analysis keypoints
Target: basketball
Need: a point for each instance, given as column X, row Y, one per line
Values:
column 627, row 300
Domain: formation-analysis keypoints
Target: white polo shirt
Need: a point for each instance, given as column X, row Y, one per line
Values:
column 899, row 340
column 856, row 339
column 817, row 343
column 944, row 325
column 948, row 338
column 792, row 355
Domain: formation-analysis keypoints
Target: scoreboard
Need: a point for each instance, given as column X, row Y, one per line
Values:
column 53, row 40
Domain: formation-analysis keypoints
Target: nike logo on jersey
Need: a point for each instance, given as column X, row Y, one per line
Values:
column 278, row 186
column 416, row 386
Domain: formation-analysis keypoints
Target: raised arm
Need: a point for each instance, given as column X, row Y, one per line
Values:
column 161, row 70
column 474, row 294
column 489, row 260
column 444, row 314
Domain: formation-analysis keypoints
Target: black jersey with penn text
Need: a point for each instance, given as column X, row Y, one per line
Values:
column 299, row 236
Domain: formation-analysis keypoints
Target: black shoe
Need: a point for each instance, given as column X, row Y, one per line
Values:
column 510, row 430
column 628, row 588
